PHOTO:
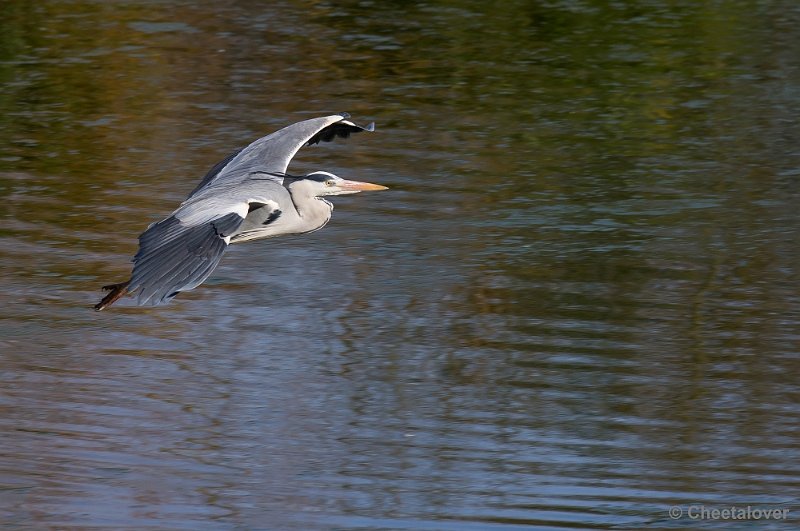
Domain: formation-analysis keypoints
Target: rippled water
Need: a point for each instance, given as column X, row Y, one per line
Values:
column 576, row 307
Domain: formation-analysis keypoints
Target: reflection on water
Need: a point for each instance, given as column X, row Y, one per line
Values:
column 576, row 307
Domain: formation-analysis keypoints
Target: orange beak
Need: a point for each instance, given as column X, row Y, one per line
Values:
column 357, row 186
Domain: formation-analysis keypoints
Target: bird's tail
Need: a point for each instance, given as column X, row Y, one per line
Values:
column 116, row 292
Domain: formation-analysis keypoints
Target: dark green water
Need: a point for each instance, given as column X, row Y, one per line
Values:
column 576, row 307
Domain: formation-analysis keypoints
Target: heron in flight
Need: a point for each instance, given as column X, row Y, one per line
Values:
column 247, row 196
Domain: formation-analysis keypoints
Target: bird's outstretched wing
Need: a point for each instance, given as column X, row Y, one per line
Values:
column 271, row 154
column 175, row 256
column 178, row 253
column 214, row 171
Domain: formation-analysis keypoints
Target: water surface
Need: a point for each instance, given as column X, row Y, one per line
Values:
column 576, row 307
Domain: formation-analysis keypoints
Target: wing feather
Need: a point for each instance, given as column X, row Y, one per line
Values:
column 270, row 155
column 214, row 171
column 174, row 256
column 342, row 129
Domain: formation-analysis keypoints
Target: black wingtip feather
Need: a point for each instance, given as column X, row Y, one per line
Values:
column 338, row 129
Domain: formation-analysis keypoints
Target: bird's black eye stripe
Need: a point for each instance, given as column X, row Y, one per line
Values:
column 319, row 177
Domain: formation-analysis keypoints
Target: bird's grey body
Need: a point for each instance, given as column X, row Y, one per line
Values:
column 246, row 196
column 291, row 209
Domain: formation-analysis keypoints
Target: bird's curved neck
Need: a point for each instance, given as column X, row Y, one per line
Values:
column 314, row 211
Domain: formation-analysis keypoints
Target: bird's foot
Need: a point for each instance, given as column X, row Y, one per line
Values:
column 117, row 291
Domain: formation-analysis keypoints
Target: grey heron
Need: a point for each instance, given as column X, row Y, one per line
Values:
column 247, row 196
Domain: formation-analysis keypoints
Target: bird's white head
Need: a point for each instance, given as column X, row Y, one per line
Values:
column 320, row 183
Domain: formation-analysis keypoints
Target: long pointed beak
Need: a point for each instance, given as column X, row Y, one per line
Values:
column 357, row 186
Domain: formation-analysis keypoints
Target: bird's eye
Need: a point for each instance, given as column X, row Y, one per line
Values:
column 329, row 182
